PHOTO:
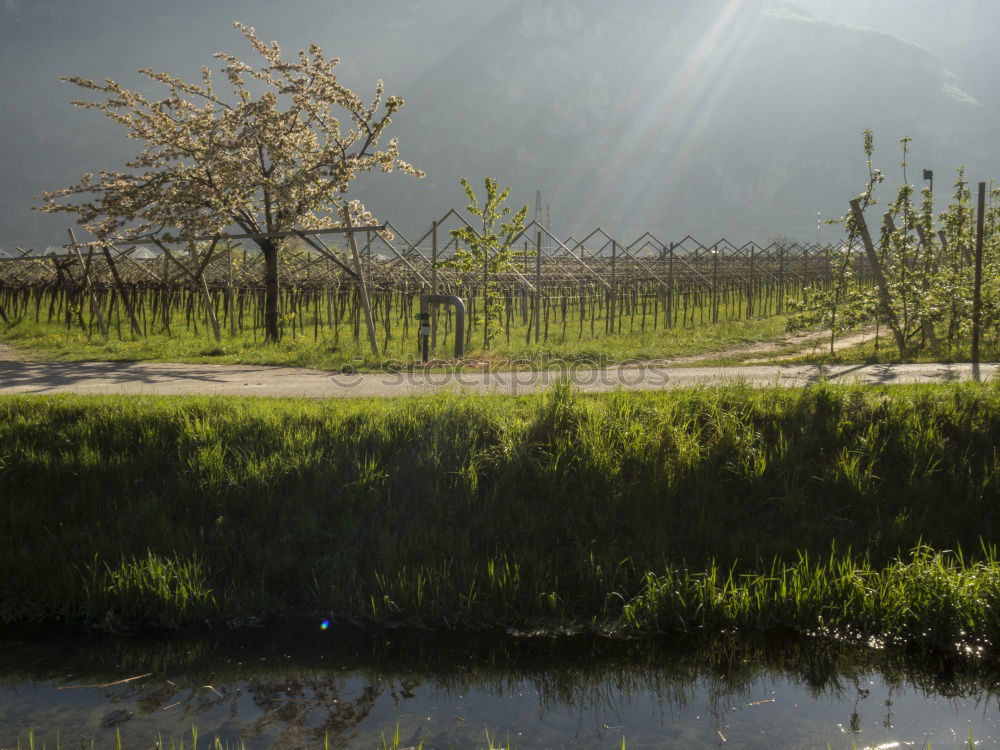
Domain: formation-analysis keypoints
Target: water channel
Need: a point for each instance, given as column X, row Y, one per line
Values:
column 297, row 685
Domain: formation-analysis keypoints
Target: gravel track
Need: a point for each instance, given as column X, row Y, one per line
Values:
column 161, row 378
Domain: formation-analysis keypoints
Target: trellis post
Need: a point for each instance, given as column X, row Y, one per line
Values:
column 613, row 301
column 230, row 302
column 781, row 279
column 362, row 283
column 715, row 283
column 434, row 282
column 538, row 285
column 977, row 288
column 126, row 300
column 486, row 298
column 670, row 288
column 95, row 307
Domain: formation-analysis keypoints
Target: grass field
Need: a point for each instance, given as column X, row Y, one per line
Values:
column 625, row 513
column 886, row 353
column 715, row 344
column 325, row 351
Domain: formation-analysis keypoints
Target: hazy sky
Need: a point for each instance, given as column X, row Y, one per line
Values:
column 682, row 116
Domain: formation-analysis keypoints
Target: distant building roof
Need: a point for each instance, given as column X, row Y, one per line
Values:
column 143, row 253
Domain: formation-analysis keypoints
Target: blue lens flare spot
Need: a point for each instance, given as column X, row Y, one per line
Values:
column 325, row 625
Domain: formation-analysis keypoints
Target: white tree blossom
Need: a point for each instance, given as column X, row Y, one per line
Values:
column 278, row 153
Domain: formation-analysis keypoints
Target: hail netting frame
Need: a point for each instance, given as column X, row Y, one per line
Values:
column 602, row 284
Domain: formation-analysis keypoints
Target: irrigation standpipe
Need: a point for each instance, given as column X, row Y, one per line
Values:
column 425, row 316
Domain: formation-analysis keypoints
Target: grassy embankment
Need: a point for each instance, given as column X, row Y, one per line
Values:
column 625, row 513
column 335, row 349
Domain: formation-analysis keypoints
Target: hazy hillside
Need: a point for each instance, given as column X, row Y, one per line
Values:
column 711, row 118
column 961, row 32
column 682, row 121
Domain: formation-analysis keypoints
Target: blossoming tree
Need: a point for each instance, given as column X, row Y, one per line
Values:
column 269, row 158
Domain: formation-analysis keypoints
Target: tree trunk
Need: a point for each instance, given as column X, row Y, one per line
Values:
column 272, row 334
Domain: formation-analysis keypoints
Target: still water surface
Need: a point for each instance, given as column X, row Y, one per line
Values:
column 294, row 685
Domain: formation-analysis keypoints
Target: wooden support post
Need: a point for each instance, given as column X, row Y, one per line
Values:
column 670, row 288
column 715, row 284
column 977, row 286
column 434, row 283
column 368, row 251
column 362, row 284
column 486, row 298
column 780, row 302
column 95, row 307
column 883, row 288
column 538, row 286
column 231, row 302
column 126, row 300
column 198, row 277
column 613, row 298
column 213, row 319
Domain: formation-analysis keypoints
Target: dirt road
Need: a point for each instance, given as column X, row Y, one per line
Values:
column 245, row 380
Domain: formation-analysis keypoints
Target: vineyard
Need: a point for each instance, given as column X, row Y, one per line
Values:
column 525, row 291
column 585, row 289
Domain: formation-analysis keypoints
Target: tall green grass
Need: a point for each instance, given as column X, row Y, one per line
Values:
column 832, row 507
